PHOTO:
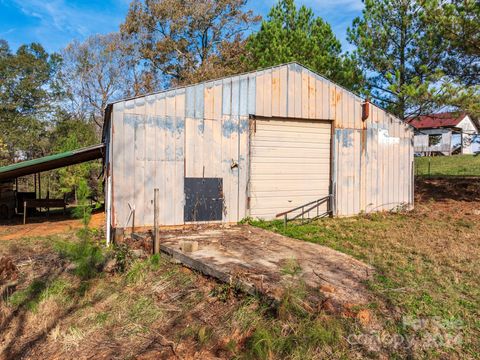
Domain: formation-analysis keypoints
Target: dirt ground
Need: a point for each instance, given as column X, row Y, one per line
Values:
column 42, row 226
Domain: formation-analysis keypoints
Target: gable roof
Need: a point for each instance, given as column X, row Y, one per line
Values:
column 174, row 90
column 446, row 119
column 259, row 70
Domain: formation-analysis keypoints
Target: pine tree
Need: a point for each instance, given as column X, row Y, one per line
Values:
column 295, row 34
column 401, row 53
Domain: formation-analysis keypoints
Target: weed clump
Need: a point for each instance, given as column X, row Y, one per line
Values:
column 87, row 256
column 291, row 329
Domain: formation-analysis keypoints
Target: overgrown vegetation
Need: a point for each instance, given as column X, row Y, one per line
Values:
column 86, row 254
column 178, row 309
column 457, row 165
column 426, row 270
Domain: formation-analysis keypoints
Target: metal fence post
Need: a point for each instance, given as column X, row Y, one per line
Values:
column 24, row 212
column 156, row 234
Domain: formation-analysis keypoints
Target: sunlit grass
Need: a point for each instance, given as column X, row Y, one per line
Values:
column 455, row 165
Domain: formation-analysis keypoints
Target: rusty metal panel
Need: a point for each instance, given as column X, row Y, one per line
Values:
column 260, row 90
column 305, row 95
column 298, row 91
column 267, row 93
column 202, row 130
column 291, row 91
column 283, row 89
column 312, row 95
column 275, row 92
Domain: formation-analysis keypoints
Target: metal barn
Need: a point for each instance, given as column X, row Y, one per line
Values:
column 253, row 145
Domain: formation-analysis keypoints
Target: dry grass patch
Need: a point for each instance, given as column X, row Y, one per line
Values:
column 427, row 269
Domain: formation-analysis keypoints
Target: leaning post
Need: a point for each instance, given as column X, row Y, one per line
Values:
column 156, row 230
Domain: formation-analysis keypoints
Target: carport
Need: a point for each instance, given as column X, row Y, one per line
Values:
column 11, row 200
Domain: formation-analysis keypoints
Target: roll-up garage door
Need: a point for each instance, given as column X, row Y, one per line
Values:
column 289, row 165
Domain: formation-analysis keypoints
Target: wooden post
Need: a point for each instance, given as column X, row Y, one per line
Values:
column 39, row 190
column 156, row 234
column 133, row 220
column 17, row 205
column 24, row 212
column 461, row 142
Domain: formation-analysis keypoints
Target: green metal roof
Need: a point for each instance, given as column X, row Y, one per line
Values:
column 51, row 162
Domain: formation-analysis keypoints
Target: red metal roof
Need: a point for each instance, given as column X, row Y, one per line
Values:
column 447, row 119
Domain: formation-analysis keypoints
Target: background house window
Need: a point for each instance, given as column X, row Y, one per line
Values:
column 434, row 140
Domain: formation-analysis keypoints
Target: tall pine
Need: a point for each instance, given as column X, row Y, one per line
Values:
column 401, row 53
column 295, row 34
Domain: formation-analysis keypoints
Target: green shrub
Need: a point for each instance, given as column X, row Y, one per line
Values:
column 86, row 255
column 29, row 297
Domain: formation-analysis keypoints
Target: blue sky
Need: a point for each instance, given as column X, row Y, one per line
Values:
column 54, row 23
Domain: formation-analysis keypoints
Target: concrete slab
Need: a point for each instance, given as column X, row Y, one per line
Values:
column 259, row 258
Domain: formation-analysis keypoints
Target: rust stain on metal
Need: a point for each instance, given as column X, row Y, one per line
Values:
column 365, row 109
column 312, row 89
column 332, row 97
column 339, row 97
column 275, row 83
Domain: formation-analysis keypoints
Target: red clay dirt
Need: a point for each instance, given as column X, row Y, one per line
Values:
column 457, row 197
column 41, row 226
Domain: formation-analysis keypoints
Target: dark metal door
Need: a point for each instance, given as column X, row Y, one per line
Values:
column 203, row 199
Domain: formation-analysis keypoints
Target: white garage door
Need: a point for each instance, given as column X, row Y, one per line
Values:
column 289, row 165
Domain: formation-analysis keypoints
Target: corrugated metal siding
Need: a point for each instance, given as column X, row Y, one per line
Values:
column 372, row 170
column 202, row 130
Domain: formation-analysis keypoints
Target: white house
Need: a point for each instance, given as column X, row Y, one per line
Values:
column 445, row 133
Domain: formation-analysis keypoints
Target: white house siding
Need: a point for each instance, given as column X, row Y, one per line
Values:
column 422, row 142
column 201, row 130
column 469, row 132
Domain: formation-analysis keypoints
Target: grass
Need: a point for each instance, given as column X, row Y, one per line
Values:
column 427, row 281
column 85, row 254
column 456, row 165
column 156, row 301
column 426, row 268
column 290, row 331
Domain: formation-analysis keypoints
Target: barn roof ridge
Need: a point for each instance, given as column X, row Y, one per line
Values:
column 108, row 108
column 174, row 88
